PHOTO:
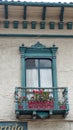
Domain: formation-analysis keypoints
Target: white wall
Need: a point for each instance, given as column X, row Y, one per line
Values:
column 10, row 70
column 10, row 77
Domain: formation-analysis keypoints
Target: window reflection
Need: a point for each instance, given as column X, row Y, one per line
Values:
column 31, row 63
column 45, row 63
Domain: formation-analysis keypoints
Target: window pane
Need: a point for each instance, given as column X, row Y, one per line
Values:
column 45, row 77
column 31, row 78
column 45, row 63
column 31, row 63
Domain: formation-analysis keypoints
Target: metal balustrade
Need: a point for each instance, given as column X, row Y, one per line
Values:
column 41, row 102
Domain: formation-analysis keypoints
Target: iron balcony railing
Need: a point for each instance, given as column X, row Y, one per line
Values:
column 37, row 100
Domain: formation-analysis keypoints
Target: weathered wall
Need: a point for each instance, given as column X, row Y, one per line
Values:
column 10, row 76
column 51, row 125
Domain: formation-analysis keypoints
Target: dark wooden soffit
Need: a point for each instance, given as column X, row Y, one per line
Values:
column 44, row 6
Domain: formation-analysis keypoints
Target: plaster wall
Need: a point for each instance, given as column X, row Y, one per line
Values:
column 10, row 77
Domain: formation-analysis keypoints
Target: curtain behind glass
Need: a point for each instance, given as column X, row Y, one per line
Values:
column 45, row 78
column 31, row 78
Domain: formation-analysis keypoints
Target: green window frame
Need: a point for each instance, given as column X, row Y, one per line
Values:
column 39, row 51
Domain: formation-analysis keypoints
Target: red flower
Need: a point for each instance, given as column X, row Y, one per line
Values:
column 41, row 91
column 35, row 91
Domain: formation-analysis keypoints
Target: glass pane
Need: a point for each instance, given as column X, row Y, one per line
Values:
column 31, row 78
column 31, row 63
column 45, row 63
column 45, row 77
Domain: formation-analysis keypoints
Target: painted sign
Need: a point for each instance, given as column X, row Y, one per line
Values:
column 13, row 125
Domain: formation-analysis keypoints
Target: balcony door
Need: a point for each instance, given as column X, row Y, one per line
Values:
column 38, row 72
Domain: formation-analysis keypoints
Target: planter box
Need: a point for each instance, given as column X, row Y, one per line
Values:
column 41, row 105
column 20, row 107
column 63, row 107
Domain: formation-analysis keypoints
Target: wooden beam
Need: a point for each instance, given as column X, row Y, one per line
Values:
column 44, row 13
column 6, row 11
column 37, row 35
column 62, row 14
column 25, row 12
column 39, row 4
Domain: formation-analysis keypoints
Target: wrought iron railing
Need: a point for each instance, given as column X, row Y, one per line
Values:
column 41, row 99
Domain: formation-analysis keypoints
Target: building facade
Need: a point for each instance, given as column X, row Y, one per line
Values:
column 36, row 50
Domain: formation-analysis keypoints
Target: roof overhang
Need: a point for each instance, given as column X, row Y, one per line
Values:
column 36, row 11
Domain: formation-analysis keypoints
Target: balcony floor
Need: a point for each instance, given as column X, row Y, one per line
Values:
column 40, row 113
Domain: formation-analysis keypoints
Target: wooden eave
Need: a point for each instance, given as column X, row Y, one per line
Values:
column 36, row 11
